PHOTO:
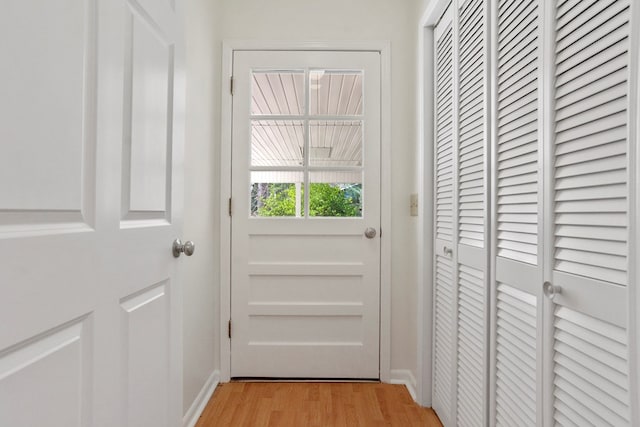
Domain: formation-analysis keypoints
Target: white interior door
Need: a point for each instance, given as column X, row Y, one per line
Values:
column 461, row 273
column 305, row 291
column 472, row 210
column 444, row 360
column 560, row 237
column 90, row 202
column 587, row 368
column 518, row 227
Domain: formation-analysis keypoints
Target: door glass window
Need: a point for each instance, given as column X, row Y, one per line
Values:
column 277, row 142
column 335, row 93
column 277, row 93
column 276, row 194
column 335, row 194
column 335, row 143
column 306, row 133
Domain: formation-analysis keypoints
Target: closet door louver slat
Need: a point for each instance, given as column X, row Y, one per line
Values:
column 591, row 142
column 515, row 357
column 471, row 185
column 444, row 137
column 471, row 301
column 591, row 382
column 517, row 158
column 443, row 342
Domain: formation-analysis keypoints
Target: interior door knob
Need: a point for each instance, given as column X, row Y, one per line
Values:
column 551, row 291
column 370, row 232
column 188, row 248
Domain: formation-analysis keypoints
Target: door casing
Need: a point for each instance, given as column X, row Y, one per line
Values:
column 229, row 46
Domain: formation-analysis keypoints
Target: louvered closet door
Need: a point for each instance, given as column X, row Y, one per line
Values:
column 444, row 290
column 590, row 201
column 471, row 212
column 516, row 334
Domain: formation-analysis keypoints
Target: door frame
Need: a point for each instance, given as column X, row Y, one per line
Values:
column 228, row 49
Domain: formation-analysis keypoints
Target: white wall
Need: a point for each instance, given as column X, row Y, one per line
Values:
column 209, row 22
column 422, row 7
column 305, row 20
column 199, row 274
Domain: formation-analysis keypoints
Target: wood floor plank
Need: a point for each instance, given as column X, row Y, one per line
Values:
column 282, row 404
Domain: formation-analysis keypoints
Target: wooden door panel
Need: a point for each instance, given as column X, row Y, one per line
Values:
column 147, row 144
column 47, row 142
column 145, row 319
column 53, row 368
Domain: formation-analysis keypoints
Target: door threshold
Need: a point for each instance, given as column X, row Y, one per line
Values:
column 302, row 380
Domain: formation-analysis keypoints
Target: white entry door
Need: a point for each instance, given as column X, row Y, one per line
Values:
column 305, row 295
column 90, row 196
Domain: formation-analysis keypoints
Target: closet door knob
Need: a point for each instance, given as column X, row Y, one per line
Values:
column 550, row 291
column 447, row 251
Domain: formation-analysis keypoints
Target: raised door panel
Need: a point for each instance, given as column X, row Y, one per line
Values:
column 47, row 379
column 47, row 108
column 145, row 319
column 147, row 144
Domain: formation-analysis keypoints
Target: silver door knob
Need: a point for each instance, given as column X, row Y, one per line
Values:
column 550, row 291
column 447, row 251
column 370, row 233
column 188, row 248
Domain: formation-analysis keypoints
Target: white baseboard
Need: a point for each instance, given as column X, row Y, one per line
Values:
column 191, row 417
column 406, row 378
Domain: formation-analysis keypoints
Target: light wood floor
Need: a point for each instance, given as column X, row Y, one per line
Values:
column 272, row 404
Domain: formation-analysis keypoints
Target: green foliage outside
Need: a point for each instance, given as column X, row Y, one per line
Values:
column 328, row 200
column 280, row 201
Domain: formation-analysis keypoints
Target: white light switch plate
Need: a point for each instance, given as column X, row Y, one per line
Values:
column 414, row 204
